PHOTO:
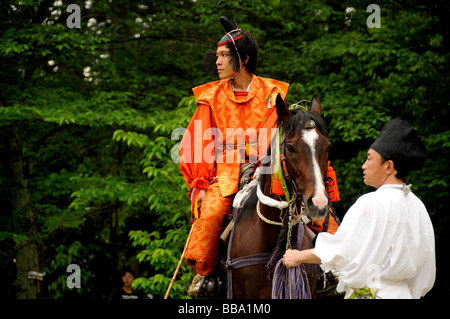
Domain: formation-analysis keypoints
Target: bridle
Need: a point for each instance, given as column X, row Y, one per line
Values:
column 292, row 196
column 290, row 189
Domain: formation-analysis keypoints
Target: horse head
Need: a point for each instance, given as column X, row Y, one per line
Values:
column 305, row 146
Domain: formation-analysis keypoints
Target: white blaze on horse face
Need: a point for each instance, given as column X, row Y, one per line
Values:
column 319, row 199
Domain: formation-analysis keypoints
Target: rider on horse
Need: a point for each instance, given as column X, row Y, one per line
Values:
column 234, row 115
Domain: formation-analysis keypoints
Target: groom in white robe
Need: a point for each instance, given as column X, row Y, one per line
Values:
column 385, row 243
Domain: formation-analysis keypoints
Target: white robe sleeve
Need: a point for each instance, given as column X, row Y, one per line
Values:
column 358, row 246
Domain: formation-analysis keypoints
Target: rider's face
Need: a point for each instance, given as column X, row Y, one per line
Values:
column 223, row 62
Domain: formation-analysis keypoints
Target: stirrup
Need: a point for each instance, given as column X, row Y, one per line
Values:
column 194, row 288
column 210, row 286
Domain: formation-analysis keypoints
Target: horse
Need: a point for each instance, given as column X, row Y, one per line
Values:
column 259, row 236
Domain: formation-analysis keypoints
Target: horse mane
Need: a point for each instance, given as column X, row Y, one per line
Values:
column 299, row 118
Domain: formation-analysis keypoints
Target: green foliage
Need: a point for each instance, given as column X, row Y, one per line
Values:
column 163, row 255
column 67, row 255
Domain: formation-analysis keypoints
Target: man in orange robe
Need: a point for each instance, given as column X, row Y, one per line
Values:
column 230, row 126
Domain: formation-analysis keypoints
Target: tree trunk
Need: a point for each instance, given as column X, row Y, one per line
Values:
column 27, row 258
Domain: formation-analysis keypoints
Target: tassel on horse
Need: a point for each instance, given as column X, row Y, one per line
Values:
column 290, row 283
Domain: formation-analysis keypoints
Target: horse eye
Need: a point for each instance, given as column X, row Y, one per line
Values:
column 290, row 148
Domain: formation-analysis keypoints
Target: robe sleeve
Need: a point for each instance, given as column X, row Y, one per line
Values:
column 360, row 242
column 197, row 165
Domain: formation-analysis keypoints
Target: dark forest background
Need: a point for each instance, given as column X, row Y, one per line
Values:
column 87, row 115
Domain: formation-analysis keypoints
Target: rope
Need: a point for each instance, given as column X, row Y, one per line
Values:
column 268, row 221
column 295, row 221
column 290, row 283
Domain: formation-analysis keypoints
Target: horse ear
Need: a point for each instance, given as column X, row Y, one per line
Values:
column 282, row 110
column 316, row 107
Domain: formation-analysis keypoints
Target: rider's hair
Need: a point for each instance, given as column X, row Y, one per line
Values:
column 248, row 49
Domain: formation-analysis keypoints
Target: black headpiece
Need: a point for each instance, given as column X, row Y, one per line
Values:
column 233, row 31
column 398, row 141
column 233, row 34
